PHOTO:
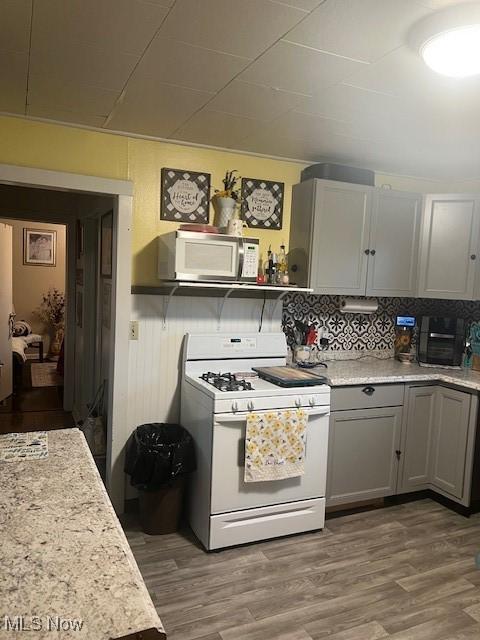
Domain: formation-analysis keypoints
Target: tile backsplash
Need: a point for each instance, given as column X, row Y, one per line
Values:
column 368, row 332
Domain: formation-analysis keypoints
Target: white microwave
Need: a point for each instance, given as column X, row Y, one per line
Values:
column 207, row 257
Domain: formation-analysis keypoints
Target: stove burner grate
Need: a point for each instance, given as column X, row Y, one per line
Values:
column 226, row 381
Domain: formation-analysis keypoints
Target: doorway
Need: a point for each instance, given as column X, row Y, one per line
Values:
column 37, row 272
column 96, row 193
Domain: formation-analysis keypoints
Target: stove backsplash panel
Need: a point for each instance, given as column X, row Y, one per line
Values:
column 366, row 332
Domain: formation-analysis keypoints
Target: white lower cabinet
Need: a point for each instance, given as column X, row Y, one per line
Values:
column 436, row 448
column 449, row 443
column 375, row 452
column 363, row 459
column 417, row 435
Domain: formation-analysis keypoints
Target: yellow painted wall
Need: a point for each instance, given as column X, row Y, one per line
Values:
column 50, row 146
column 146, row 158
column 55, row 147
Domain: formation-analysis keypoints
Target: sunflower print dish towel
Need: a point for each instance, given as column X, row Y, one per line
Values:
column 275, row 445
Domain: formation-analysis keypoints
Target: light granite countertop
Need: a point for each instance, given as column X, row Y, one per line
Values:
column 63, row 553
column 370, row 370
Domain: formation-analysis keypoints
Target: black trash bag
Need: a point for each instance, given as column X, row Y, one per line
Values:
column 157, row 454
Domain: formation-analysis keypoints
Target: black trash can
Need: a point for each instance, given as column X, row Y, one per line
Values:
column 158, row 458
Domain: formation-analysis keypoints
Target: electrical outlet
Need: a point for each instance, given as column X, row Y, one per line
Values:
column 325, row 339
column 133, row 329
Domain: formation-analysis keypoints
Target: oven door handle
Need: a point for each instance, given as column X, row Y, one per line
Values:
column 241, row 417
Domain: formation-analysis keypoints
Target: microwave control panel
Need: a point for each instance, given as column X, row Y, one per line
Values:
column 250, row 260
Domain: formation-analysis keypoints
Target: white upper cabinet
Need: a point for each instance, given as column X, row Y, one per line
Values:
column 340, row 238
column 449, row 246
column 393, row 246
column 349, row 239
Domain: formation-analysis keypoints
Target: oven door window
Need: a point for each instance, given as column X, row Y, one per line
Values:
column 231, row 493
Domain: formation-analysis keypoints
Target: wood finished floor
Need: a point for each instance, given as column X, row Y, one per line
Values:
column 34, row 409
column 405, row 572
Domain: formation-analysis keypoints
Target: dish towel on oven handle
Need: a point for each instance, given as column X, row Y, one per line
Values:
column 275, row 445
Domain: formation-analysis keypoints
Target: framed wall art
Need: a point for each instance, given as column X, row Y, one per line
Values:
column 106, row 234
column 185, row 196
column 262, row 203
column 39, row 247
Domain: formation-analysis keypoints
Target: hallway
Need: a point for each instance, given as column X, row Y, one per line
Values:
column 34, row 409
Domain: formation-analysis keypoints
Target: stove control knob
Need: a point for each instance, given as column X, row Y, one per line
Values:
column 234, row 406
column 298, row 403
column 250, row 406
column 311, row 402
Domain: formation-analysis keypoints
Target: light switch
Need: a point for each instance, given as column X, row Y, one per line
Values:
column 133, row 329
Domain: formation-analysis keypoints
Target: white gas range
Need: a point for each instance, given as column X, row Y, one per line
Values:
column 223, row 509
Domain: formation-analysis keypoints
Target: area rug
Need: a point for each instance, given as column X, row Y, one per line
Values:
column 44, row 374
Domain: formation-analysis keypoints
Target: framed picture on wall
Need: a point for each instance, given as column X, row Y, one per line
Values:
column 106, row 244
column 262, row 203
column 39, row 247
column 185, row 196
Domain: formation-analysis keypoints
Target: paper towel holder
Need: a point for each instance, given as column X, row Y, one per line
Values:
column 360, row 306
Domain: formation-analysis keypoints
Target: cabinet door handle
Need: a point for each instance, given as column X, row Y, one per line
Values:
column 398, row 453
column 367, row 252
column 473, row 256
column 372, row 252
column 369, row 391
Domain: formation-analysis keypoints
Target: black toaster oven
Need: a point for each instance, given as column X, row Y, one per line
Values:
column 441, row 341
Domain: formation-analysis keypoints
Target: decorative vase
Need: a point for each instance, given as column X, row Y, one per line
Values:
column 56, row 343
column 225, row 209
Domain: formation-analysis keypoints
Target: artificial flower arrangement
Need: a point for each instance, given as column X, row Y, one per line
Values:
column 231, row 186
column 52, row 307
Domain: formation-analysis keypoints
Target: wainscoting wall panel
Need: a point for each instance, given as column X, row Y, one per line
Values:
column 155, row 358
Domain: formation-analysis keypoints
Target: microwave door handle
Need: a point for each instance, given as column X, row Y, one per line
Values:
column 241, row 257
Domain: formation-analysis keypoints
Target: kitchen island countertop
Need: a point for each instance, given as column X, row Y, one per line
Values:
column 371, row 370
column 64, row 555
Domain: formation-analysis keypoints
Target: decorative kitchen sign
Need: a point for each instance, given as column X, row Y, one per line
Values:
column 262, row 203
column 185, row 196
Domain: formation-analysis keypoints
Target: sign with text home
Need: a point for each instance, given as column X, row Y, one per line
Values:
column 262, row 203
column 185, row 196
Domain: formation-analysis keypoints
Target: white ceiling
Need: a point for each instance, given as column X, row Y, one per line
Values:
column 301, row 79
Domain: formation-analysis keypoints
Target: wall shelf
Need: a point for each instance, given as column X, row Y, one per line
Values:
column 170, row 288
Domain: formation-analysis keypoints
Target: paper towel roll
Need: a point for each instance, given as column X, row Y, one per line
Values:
column 358, row 305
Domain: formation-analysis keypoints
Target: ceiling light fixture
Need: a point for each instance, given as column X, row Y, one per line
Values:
column 454, row 53
column 449, row 41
